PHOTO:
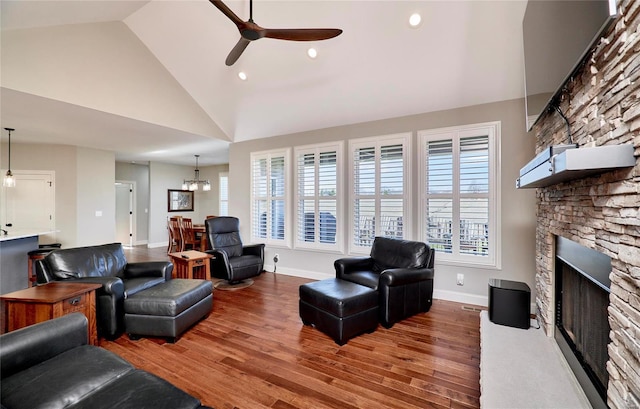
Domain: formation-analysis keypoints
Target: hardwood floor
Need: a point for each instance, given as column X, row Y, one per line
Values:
column 252, row 351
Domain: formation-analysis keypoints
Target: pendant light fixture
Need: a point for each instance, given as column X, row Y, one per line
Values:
column 194, row 183
column 9, row 180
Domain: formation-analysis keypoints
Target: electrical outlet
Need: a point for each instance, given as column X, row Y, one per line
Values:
column 460, row 279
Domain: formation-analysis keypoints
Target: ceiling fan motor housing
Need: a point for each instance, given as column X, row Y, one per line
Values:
column 250, row 34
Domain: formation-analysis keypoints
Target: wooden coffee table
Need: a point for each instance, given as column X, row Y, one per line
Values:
column 185, row 262
column 52, row 300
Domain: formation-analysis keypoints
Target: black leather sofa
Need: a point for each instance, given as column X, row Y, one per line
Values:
column 49, row 366
column 105, row 264
column 401, row 271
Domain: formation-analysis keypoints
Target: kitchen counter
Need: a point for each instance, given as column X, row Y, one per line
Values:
column 14, row 259
column 21, row 234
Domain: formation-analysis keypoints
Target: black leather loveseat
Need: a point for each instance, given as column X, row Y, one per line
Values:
column 105, row 264
column 49, row 365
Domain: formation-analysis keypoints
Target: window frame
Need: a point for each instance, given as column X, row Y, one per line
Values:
column 377, row 142
column 269, row 155
column 338, row 246
column 456, row 133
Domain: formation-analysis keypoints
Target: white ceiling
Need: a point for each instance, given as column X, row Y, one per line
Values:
column 464, row 53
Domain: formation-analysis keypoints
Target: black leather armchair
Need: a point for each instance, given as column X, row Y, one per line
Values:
column 402, row 273
column 232, row 260
column 104, row 264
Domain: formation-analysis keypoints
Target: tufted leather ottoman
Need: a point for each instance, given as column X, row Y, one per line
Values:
column 167, row 309
column 340, row 309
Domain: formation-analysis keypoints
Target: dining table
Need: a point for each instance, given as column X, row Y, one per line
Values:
column 201, row 231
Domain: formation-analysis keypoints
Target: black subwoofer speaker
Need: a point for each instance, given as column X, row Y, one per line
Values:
column 509, row 303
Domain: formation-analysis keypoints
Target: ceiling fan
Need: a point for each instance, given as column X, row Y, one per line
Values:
column 250, row 31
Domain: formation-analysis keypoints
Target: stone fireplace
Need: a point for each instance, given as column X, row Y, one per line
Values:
column 582, row 290
column 600, row 212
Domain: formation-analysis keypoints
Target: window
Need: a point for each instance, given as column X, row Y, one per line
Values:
column 223, row 205
column 269, row 197
column 459, row 193
column 380, row 189
column 318, row 196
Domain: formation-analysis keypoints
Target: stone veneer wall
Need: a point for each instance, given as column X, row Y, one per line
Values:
column 602, row 103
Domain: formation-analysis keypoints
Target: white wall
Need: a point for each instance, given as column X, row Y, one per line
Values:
column 518, row 206
column 96, row 193
column 84, row 184
column 103, row 66
column 163, row 176
column 62, row 160
column 207, row 203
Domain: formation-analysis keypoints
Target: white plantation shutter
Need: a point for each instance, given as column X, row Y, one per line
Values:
column 439, row 204
column 474, row 195
column 317, row 196
column 259, row 197
column 379, row 201
column 364, row 209
column 459, row 192
column 223, row 206
column 269, row 197
column 392, row 187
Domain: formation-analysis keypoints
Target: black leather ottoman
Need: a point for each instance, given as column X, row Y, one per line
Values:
column 340, row 309
column 167, row 309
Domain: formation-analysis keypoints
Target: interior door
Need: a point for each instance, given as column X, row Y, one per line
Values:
column 124, row 213
column 31, row 203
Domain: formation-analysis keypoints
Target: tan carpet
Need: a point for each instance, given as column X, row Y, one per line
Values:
column 524, row 369
column 220, row 284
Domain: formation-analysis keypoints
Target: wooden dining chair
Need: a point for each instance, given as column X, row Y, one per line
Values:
column 175, row 235
column 204, row 243
column 189, row 239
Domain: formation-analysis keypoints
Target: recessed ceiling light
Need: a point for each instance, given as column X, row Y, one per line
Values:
column 414, row 20
column 312, row 53
column 242, row 75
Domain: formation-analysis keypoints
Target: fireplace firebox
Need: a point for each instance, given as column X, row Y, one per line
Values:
column 582, row 327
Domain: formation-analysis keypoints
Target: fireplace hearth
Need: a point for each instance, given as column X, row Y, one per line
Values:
column 582, row 325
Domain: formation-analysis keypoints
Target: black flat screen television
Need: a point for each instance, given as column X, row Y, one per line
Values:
column 557, row 35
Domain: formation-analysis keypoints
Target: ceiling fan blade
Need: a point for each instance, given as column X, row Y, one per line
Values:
column 227, row 12
column 302, row 34
column 237, row 51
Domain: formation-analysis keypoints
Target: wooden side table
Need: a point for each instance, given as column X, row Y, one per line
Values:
column 185, row 262
column 52, row 300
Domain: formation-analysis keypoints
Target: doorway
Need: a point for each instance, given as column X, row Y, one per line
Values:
column 125, row 217
column 30, row 204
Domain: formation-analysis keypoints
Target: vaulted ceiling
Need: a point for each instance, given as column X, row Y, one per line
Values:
column 147, row 79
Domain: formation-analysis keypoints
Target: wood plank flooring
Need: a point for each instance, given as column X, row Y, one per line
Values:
column 252, row 351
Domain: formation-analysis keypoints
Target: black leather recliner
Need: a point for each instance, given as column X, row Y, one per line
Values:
column 402, row 273
column 232, row 260
column 104, row 264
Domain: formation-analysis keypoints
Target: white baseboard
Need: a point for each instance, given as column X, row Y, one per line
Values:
column 140, row 242
column 313, row 275
column 155, row 245
column 463, row 298
column 437, row 294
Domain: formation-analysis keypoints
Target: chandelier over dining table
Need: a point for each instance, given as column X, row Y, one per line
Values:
column 194, row 183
